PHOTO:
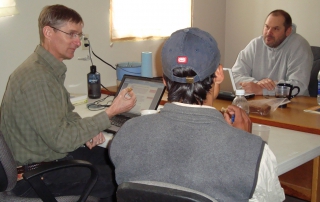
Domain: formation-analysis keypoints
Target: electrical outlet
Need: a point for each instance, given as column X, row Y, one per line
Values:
column 83, row 41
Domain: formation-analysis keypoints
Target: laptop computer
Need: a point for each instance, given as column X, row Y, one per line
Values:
column 228, row 87
column 148, row 91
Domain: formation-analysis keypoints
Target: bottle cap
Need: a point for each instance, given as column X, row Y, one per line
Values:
column 240, row 92
column 93, row 68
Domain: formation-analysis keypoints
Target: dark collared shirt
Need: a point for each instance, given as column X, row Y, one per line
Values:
column 36, row 113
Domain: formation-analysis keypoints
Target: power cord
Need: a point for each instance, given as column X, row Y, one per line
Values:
column 90, row 48
column 96, row 105
column 87, row 44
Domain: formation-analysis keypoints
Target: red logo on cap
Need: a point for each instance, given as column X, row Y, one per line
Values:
column 182, row 59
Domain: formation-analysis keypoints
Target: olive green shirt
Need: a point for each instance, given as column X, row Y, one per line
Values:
column 37, row 118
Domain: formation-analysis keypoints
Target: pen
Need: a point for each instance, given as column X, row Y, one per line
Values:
column 129, row 89
column 223, row 110
column 232, row 118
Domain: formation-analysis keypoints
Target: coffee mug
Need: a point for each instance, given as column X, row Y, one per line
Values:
column 284, row 90
column 148, row 111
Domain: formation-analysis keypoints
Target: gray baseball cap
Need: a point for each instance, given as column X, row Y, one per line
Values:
column 193, row 48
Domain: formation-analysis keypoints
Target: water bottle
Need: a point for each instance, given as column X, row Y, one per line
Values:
column 241, row 101
column 318, row 96
column 93, row 78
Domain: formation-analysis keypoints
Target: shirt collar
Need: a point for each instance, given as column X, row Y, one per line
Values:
column 191, row 105
column 57, row 67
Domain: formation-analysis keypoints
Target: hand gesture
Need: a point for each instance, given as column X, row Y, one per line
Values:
column 125, row 101
column 251, row 87
column 99, row 139
column 241, row 119
column 268, row 84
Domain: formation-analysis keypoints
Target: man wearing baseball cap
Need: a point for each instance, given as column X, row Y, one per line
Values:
column 190, row 143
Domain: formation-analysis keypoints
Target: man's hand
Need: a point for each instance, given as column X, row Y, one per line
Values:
column 241, row 119
column 125, row 101
column 251, row 87
column 268, row 84
column 99, row 139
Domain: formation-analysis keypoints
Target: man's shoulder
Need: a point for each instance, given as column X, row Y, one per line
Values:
column 296, row 45
column 32, row 66
column 31, row 72
column 256, row 40
column 297, row 39
column 298, row 36
column 255, row 44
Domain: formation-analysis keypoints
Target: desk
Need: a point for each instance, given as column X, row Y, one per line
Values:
column 303, row 181
column 293, row 117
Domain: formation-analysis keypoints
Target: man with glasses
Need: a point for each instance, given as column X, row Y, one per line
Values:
column 37, row 117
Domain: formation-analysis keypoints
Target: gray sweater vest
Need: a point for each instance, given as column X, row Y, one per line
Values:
column 189, row 147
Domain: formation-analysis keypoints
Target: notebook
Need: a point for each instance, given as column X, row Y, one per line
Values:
column 228, row 87
column 148, row 91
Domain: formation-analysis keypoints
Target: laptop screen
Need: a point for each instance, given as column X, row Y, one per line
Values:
column 227, row 84
column 148, row 91
column 228, row 87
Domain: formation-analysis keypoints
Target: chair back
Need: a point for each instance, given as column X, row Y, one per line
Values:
column 8, row 179
column 8, row 168
column 140, row 191
column 313, row 84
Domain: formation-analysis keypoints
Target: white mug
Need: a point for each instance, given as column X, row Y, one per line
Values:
column 148, row 111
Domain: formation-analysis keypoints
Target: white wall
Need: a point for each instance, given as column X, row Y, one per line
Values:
column 245, row 20
column 19, row 37
column 233, row 23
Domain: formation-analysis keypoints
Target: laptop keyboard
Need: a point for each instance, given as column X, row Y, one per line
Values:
column 119, row 120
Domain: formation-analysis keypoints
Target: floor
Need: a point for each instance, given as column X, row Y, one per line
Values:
column 292, row 199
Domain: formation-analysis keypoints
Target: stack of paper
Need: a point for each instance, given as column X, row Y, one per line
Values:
column 315, row 109
column 77, row 99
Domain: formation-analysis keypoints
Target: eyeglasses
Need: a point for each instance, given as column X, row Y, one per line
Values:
column 71, row 35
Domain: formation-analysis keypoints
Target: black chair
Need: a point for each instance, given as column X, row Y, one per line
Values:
column 158, row 192
column 8, row 178
column 313, row 84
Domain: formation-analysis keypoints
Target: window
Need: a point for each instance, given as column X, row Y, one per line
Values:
column 8, row 8
column 144, row 19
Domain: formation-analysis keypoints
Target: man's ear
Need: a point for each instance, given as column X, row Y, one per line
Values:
column 219, row 75
column 47, row 32
column 289, row 30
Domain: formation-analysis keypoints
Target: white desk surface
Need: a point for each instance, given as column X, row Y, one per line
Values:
column 291, row 148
